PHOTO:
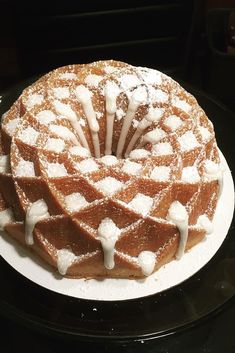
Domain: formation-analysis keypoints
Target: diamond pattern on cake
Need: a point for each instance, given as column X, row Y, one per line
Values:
column 48, row 147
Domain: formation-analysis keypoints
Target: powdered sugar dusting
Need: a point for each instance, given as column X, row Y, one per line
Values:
column 93, row 80
column 56, row 145
column 25, row 169
column 160, row 173
column 154, row 114
column 12, row 125
column 163, row 148
column 109, row 69
column 120, row 113
column 29, row 136
column 129, row 81
column 132, row 168
column 190, row 175
column 68, row 76
column 5, row 164
column 45, row 117
column 154, row 135
column 182, row 104
column 61, row 92
column 173, row 122
column 139, row 153
column 63, row 132
column 135, row 123
column 109, row 185
column 152, row 77
column 141, row 204
column 109, row 160
column 75, row 201
column 87, row 166
column 79, row 151
column 55, row 170
column 34, row 99
column 188, row 141
column 158, row 96
column 205, row 133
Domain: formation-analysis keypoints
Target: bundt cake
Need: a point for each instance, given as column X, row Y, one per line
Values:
column 107, row 170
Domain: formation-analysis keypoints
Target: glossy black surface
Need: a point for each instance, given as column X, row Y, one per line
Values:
column 158, row 315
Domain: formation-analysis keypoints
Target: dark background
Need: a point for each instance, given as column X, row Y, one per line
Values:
column 192, row 41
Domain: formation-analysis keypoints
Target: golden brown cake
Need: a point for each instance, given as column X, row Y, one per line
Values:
column 107, row 170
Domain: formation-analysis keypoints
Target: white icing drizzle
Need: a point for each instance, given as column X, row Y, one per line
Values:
column 111, row 93
column 178, row 215
column 154, row 115
column 142, row 125
column 6, row 216
column 37, row 211
column 147, row 260
column 139, row 96
column 65, row 259
column 5, row 163
column 66, row 110
column 84, row 97
column 214, row 171
column 204, row 223
column 108, row 234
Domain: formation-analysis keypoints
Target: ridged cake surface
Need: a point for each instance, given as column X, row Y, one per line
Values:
column 107, row 170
